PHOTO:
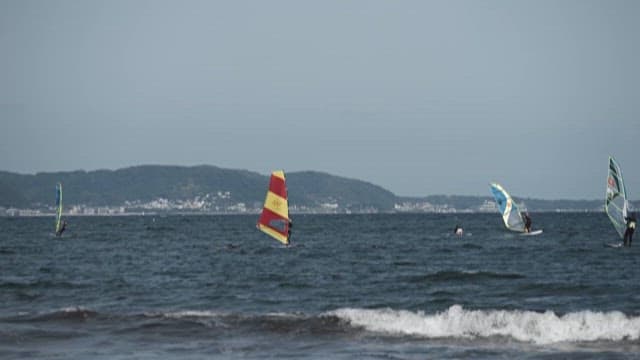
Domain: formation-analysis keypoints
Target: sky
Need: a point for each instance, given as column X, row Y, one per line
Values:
column 419, row 97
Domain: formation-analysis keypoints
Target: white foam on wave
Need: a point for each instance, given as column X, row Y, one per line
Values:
column 188, row 314
column 73, row 309
column 526, row 326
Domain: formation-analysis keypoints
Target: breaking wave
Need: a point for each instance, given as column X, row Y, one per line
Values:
column 525, row 326
column 456, row 322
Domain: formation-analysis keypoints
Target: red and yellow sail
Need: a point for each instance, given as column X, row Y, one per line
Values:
column 274, row 220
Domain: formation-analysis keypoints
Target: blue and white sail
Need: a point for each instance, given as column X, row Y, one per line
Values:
column 509, row 209
column 58, row 207
column 616, row 204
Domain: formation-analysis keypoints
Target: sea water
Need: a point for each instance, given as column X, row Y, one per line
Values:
column 399, row 286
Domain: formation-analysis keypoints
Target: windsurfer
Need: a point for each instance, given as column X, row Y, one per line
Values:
column 527, row 222
column 631, row 227
column 290, row 225
column 458, row 230
column 62, row 228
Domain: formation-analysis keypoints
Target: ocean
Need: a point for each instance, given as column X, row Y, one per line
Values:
column 380, row 286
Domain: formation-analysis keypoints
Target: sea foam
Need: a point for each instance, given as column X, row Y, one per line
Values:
column 525, row 326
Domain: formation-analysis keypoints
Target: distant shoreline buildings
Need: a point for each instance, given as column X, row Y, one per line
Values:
column 212, row 205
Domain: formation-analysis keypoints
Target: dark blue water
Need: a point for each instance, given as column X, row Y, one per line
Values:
column 351, row 287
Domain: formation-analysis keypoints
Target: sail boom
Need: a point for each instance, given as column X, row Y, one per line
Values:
column 283, row 238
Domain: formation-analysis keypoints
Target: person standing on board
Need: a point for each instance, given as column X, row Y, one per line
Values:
column 458, row 230
column 290, row 225
column 527, row 222
column 631, row 227
column 62, row 228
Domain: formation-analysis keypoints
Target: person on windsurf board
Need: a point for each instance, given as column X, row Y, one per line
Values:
column 631, row 227
column 527, row 222
column 63, row 227
column 458, row 230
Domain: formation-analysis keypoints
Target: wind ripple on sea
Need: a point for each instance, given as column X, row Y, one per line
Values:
column 27, row 284
column 462, row 276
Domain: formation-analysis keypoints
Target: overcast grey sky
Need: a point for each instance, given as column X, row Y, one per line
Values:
column 420, row 97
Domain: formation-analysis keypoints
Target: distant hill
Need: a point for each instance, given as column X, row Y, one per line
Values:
column 212, row 189
column 311, row 188
column 143, row 184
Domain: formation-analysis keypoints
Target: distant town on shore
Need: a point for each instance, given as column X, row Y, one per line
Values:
column 152, row 189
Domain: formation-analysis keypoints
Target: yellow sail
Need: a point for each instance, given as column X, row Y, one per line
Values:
column 274, row 219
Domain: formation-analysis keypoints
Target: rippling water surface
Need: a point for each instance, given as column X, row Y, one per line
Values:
column 350, row 287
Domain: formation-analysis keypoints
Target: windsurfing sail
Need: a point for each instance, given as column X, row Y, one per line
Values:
column 274, row 220
column 509, row 209
column 58, row 207
column 616, row 204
